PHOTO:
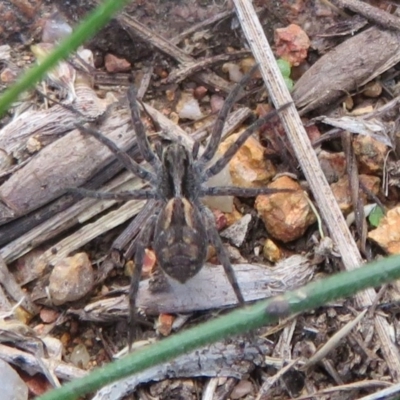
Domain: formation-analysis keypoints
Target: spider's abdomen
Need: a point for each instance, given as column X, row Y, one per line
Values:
column 180, row 239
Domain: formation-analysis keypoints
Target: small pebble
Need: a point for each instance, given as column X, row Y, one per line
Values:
column 8, row 75
column 237, row 232
column 286, row 216
column 271, row 251
column 292, row 44
column 199, row 92
column 164, row 324
column 80, row 356
column 235, row 75
column 115, row 64
column 47, row 315
column 372, row 89
column 387, row 234
column 188, row 108
column 149, row 263
column 216, row 103
column 71, row 279
column 243, row 388
column 220, row 219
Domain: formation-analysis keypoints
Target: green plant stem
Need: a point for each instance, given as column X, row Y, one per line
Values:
column 98, row 18
column 310, row 296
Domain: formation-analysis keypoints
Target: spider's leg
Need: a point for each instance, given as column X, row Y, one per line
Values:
column 221, row 253
column 216, row 133
column 143, row 142
column 143, row 241
column 122, row 156
column 240, row 191
column 140, row 194
column 224, row 160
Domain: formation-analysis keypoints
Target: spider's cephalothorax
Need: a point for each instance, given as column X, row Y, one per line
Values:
column 177, row 175
column 181, row 227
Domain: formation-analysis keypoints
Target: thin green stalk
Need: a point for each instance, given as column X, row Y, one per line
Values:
column 98, row 18
column 310, row 296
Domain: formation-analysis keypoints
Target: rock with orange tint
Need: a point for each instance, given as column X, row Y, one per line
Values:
column 286, row 216
column 71, row 279
column 248, row 168
column 47, row 315
column 37, row 384
column 370, row 154
column 115, row 64
column 199, row 92
column 164, row 324
column 149, row 263
column 372, row 89
column 233, row 217
column 271, row 251
column 341, row 190
column 8, row 75
column 220, row 219
column 313, row 132
column 333, row 165
column 292, row 44
column 247, row 64
column 387, row 234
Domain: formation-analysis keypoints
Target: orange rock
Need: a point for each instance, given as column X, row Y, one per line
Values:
column 149, row 263
column 8, row 75
column 199, row 92
column 65, row 339
column 292, row 44
column 370, row 154
column 115, row 64
column 47, row 315
column 341, row 190
column 22, row 315
column 387, row 234
column 372, row 89
column 71, row 279
column 220, row 219
column 249, row 168
column 232, row 217
column 333, row 165
column 164, row 324
column 286, row 215
column 271, row 251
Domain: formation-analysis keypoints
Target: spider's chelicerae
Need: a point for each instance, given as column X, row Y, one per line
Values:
column 181, row 226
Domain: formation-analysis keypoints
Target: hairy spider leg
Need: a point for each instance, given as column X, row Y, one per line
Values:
column 144, row 240
column 219, row 165
column 143, row 143
column 216, row 133
column 215, row 239
column 240, row 191
column 139, row 194
column 122, row 156
column 128, row 163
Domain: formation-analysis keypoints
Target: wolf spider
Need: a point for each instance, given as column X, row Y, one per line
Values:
column 181, row 226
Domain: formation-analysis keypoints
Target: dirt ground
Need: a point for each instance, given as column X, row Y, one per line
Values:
column 66, row 257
